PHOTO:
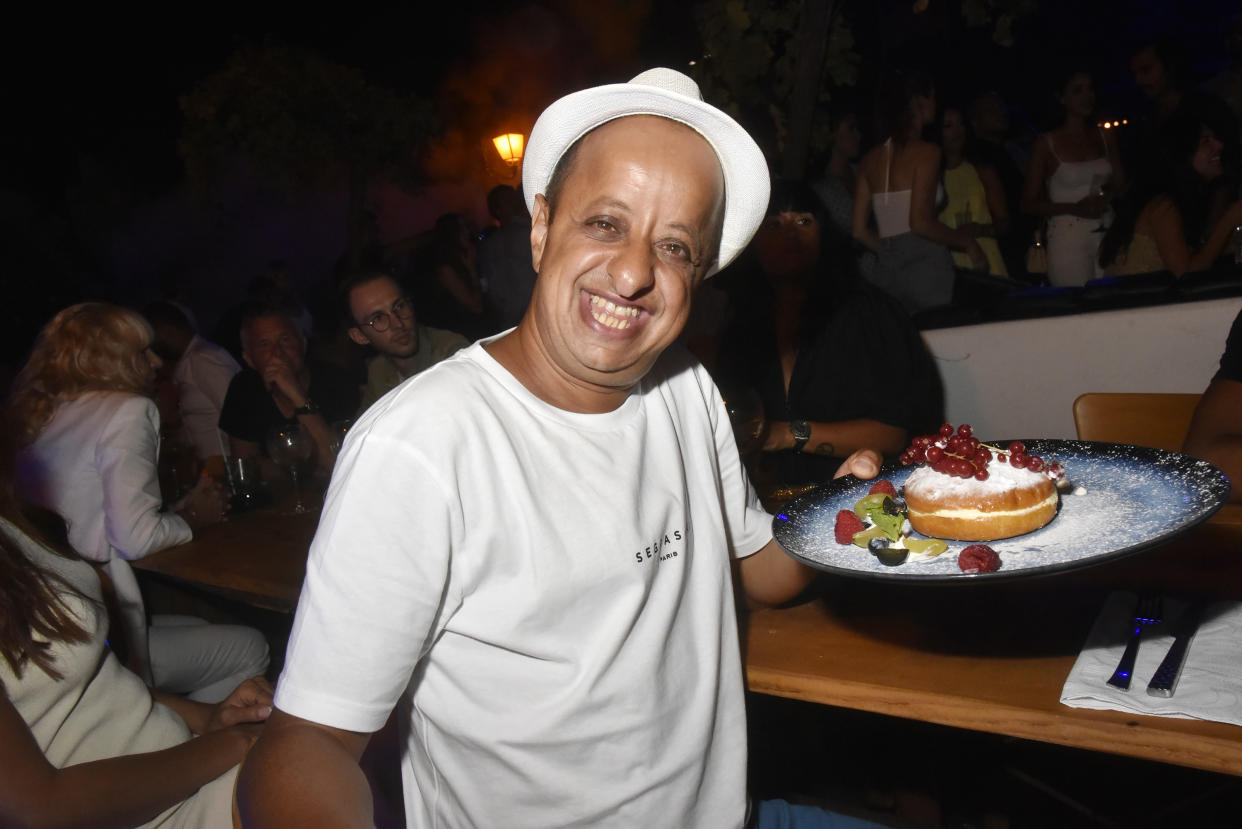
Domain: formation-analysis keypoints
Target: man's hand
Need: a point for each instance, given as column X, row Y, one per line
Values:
column 769, row 577
column 279, row 376
column 863, row 464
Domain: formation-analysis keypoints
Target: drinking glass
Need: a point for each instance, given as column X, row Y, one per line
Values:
column 289, row 446
column 338, row 429
column 745, row 410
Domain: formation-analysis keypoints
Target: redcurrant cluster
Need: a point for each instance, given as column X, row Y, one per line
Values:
column 961, row 455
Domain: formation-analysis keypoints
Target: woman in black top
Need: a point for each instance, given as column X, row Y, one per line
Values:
column 836, row 362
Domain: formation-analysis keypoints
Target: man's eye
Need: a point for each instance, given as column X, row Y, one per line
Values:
column 676, row 250
column 603, row 224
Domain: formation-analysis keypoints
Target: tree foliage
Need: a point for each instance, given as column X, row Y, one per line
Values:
column 297, row 120
column 1000, row 15
column 750, row 62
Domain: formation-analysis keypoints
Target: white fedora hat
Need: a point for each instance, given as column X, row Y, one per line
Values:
column 672, row 95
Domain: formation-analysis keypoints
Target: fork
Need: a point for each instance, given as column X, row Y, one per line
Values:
column 1147, row 612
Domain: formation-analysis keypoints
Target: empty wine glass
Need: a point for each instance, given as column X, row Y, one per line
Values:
column 289, row 446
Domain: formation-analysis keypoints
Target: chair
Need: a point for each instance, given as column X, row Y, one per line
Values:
column 1157, row 420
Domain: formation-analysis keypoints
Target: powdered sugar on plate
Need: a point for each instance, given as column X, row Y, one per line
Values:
column 1132, row 498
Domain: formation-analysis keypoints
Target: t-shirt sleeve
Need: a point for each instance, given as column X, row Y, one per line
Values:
column 377, row 590
column 239, row 416
column 1231, row 360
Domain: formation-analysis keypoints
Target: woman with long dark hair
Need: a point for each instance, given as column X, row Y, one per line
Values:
column 88, row 433
column 834, row 360
column 1164, row 225
column 83, row 742
column 899, row 186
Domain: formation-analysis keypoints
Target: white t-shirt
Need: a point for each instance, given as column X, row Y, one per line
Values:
column 550, row 591
column 202, row 376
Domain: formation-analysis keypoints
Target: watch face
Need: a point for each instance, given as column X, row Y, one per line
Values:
column 801, row 429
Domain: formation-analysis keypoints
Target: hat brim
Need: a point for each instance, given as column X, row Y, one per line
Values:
column 744, row 166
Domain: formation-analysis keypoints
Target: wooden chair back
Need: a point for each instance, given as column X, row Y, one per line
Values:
column 1157, row 420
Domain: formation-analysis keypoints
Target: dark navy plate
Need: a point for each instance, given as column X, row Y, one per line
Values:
column 1128, row 498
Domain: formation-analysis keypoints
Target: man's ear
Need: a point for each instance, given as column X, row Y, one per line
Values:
column 357, row 336
column 246, row 359
column 539, row 222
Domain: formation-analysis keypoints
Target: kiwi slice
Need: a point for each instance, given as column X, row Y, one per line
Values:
column 926, row 546
column 863, row 537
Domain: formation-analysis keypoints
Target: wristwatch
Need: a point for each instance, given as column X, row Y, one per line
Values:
column 306, row 408
column 802, row 433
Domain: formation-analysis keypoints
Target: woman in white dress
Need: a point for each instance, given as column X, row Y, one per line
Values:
column 83, row 741
column 899, row 187
column 88, row 433
column 1073, row 173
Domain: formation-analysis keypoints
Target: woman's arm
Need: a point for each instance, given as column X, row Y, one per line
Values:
column 119, row 791
column 840, row 438
column 862, row 214
column 125, row 460
column 923, row 219
column 1216, row 432
column 1165, row 221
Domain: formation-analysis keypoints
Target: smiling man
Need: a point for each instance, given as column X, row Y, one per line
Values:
column 529, row 545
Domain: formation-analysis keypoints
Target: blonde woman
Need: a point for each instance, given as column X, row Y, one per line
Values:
column 88, row 433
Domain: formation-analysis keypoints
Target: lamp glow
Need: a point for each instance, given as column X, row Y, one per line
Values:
column 510, row 147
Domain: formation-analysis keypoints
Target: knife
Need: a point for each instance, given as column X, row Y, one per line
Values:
column 1164, row 682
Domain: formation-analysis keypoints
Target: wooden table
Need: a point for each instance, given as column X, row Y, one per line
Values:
column 983, row 657
column 257, row 557
column 993, row 658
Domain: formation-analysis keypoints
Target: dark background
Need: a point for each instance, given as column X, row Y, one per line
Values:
column 93, row 200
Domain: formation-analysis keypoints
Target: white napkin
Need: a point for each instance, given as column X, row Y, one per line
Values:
column 1210, row 687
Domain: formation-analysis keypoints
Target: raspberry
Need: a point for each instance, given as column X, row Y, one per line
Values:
column 978, row 558
column 847, row 524
column 883, row 486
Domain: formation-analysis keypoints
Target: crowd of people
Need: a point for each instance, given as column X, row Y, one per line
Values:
column 951, row 188
column 513, row 441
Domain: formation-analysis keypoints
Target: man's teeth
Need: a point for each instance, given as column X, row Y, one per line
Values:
column 609, row 313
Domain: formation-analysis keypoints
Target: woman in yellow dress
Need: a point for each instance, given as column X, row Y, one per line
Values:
column 975, row 200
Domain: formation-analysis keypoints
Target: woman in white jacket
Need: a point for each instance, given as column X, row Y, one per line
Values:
column 89, row 437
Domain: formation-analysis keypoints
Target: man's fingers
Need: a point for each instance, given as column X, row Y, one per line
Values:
column 865, row 463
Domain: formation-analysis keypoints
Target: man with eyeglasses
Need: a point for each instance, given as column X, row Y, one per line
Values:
column 381, row 316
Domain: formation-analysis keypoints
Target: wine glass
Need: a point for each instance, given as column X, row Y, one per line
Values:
column 289, row 446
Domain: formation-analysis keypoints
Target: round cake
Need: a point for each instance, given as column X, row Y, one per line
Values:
column 1009, row 501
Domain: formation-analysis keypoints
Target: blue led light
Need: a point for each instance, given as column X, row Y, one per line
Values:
column 782, row 516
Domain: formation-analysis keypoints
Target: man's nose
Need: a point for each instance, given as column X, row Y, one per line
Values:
column 632, row 268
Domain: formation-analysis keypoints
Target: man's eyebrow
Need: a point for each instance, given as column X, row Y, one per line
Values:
column 607, row 201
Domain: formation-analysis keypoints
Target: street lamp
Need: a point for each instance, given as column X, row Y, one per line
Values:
column 510, row 147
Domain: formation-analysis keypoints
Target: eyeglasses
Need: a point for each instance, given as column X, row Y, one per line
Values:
column 382, row 321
